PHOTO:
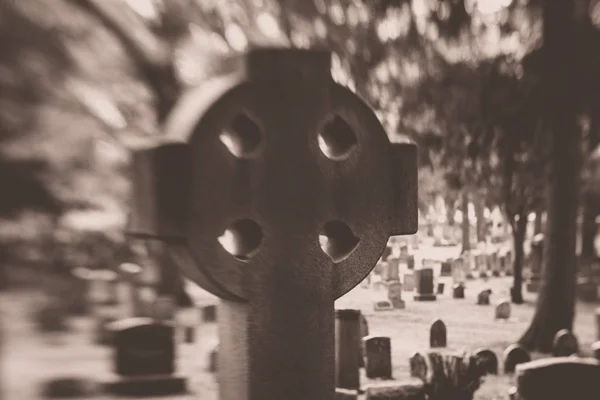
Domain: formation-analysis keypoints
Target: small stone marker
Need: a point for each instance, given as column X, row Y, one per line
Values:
column 558, row 378
column 209, row 313
column 424, row 285
column 438, row 334
column 458, row 291
column 189, row 334
column 378, row 357
column 104, row 287
column 164, row 308
column 565, row 344
column 347, row 342
column 408, row 281
column 102, row 334
column 440, row 288
column 483, row 298
column 487, row 361
column 514, row 355
column 418, row 366
column 406, row 390
column 131, row 273
column 395, row 295
column 502, row 310
column 446, row 268
column 144, row 358
column 410, row 262
column 383, row 305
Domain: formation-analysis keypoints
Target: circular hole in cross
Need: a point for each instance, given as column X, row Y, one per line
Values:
column 242, row 239
column 337, row 240
column 242, row 137
column 336, row 139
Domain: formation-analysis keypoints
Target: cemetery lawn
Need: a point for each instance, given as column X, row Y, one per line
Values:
column 30, row 358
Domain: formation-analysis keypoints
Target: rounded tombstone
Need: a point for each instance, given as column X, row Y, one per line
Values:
column 502, row 310
column 565, row 344
column 438, row 334
column 458, row 291
column 418, row 366
column 483, row 298
column 487, row 362
column 514, row 355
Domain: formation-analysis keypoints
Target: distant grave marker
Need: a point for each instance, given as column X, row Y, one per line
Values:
column 378, row 357
column 438, row 334
column 503, row 310
column 487, row 361
column 483, row 298
column 458, row 291
column 395, row 295
column 424, row 285
column 347, row 342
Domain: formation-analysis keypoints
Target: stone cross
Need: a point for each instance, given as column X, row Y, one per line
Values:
column 276, row 189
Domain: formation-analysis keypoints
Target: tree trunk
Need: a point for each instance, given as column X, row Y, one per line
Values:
column 466, row 226
column 519, row 232
column 480, row 217
column 555, row 307
column 591, row 204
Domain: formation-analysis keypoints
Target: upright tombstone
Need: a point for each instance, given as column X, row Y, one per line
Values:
column 424, row 285
column 144, row 358
column 502, row 311
column 487, row 361
column 565, row 344
column 558, row 378
column 378, row 357
column 392, row 270
column 78, row 296
column 483, row 298
column 458, row 291
column 408, row 281
column 536, row 259
column 458, row 270
column 438, row 335
column 395, row 295
column 347, row 342
column 418, row 366
column 513, row 356
column 259, row 193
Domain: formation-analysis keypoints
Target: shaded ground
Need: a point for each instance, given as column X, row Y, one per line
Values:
column 29, row 358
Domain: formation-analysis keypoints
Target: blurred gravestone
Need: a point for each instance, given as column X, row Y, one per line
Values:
column 558, row 378
column 565, row 343
column 408, row 281
column 424, row 285
column 438, row 334
column 502, row 310
column 458, row 291
column 418, row 366
column 144, row 359
column 378, row 357
column 395, row 295
column 209, row 313
column 483, row 298
column 513, row 356
column 487, row 361
column 446, row 268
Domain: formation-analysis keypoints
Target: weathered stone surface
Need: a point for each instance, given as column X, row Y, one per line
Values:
column 438, row 334
column 558, row 378
column 408, row 281
column 347, row 343
column 378, row 357
column 418, row 366
column 513, row 356
column 275, row 157
column 395, row 295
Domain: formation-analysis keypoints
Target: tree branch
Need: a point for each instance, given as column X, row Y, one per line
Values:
column 152, row 57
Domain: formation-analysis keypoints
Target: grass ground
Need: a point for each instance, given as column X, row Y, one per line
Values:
column 30, row 358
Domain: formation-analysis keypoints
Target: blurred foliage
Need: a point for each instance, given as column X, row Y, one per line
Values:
column 83, row 81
